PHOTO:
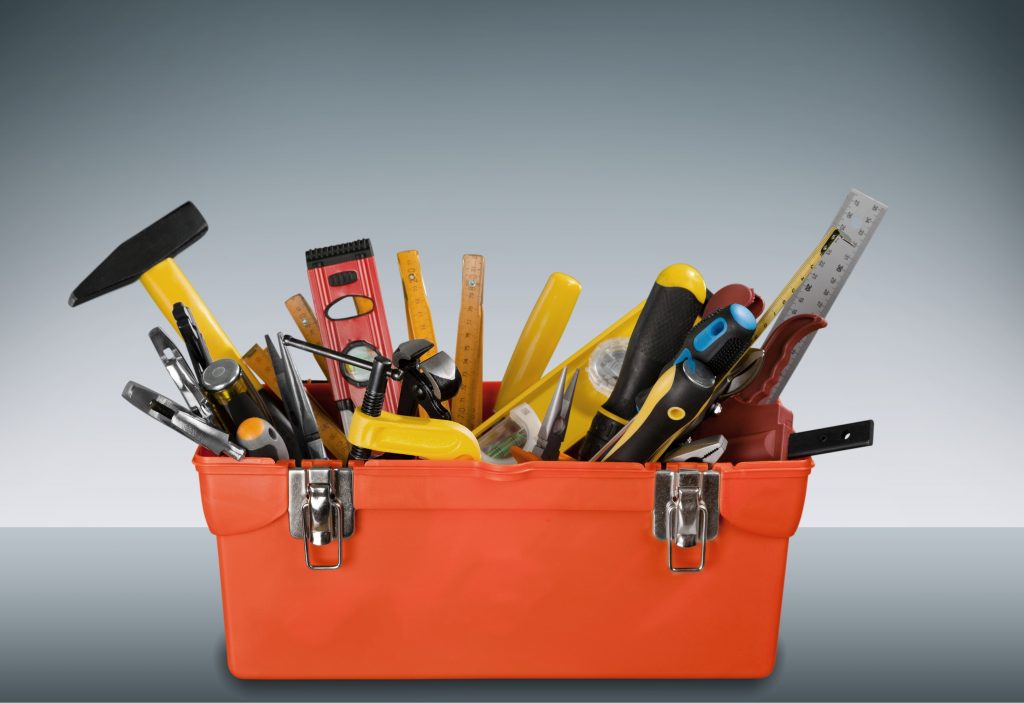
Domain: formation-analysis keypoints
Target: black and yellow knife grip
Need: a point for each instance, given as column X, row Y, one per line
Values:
column 674, row 304
column 678, row 397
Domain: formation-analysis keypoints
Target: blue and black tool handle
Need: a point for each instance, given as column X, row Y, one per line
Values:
column 679, row 399
column 720, row 339
column 673, row 306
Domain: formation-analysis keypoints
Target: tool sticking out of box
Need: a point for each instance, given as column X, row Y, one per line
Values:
column 637, row 392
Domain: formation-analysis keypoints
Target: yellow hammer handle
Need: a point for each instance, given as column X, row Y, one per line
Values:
column 540, row 336
column 167, row 285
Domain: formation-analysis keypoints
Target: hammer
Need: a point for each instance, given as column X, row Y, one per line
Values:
column 148, row 257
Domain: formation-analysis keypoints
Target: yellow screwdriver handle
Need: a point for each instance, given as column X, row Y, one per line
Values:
column 167, row 285
column 540, row 336
column 415, row 436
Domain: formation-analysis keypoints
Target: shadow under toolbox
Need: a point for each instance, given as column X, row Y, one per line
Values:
column 470, row 570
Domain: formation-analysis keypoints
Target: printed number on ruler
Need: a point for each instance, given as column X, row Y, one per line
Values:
column 467, row 405
column 417, row 308
column 857, row 219
column 305, row 318
column 791, row 287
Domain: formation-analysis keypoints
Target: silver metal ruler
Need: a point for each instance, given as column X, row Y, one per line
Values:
column 857, row 219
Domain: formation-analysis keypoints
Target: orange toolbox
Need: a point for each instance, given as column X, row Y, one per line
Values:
column 427, row 569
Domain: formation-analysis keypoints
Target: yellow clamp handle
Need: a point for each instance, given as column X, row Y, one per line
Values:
column 416, row 436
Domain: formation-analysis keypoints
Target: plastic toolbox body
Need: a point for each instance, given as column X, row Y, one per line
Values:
column 468, row 570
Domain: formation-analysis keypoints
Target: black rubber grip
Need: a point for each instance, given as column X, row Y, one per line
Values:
column 667, row 316
column 601, row 431
column 660, row 420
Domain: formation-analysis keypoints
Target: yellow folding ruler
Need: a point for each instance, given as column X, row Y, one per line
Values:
column 417, row 308
column 467, row 405
column 303, row 315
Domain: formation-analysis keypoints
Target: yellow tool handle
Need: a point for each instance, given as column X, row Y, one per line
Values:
column 677, row 402
column 587, row 398
column 304, row 317
column 331, row 435
column 674, row 402
column 414, row 436
column 167, row 285
column 674, row 305
column 540, row 336
column 467, row 405
column 417, row 308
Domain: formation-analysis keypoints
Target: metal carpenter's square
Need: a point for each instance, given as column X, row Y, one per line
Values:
column 681, row 396
column 857, row 219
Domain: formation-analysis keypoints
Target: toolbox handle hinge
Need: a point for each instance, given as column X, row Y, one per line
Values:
column 686, row 511
column 321, row 510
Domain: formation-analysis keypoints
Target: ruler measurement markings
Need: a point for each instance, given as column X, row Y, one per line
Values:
column 467, row 405
column 419, row 320
column 857, row 219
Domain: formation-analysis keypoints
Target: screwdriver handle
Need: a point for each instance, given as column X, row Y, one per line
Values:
column 674, row 304
column 720, row 339
column 680, row 397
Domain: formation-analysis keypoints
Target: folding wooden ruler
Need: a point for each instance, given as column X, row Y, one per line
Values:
column 857, row 220
column 305, row 318
column 417, row 308
column 467, row 405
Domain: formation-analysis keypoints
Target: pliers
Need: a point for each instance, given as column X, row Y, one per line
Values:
column 556, row 419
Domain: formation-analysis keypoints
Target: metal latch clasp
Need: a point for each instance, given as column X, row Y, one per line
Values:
column 320, row 510
column 686, row 512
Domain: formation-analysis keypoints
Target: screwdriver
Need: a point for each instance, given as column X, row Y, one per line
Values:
column 675, row 302
column 679, row 398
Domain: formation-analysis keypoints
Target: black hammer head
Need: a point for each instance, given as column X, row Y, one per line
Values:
column 165, row 238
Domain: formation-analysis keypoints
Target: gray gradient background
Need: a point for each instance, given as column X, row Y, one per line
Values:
column 602, row 139
column 887, row 621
